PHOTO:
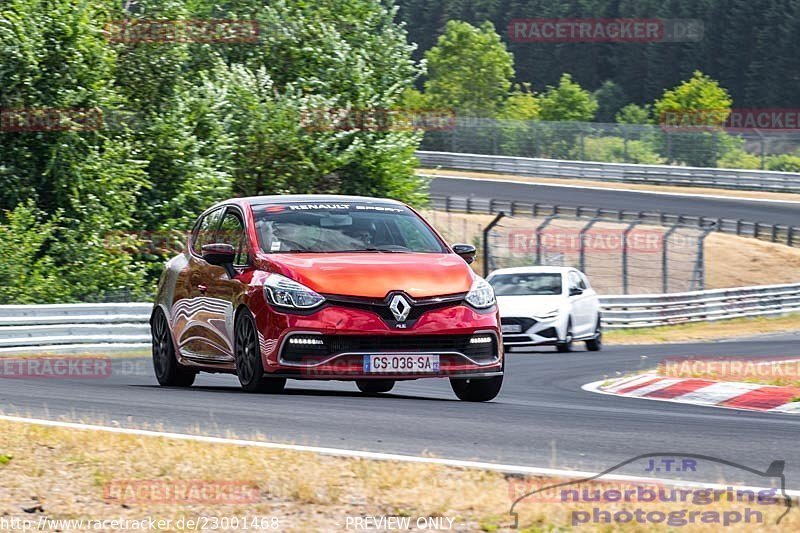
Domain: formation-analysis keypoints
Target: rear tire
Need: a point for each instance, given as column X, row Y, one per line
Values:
column 247, row 354
column 477, row 390
column 375, row 386
column 596, row 344
column 169, row 372
column 566, row 345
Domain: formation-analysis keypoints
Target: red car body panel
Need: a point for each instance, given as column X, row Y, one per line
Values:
column 201, row 302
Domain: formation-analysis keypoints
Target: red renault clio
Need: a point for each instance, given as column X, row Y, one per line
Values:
column 325, row 287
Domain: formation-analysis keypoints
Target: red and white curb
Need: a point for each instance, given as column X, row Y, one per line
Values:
column 725, row 394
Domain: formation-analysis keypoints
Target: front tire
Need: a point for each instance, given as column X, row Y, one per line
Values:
column 169, row 372
column 596, row 344
column 247, row 354
column 477, row 390
column 375, row 386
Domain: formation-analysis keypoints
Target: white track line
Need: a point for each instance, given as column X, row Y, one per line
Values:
column 621, row 189
column 339, row 452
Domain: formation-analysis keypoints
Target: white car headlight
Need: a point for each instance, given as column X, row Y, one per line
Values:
column 481, row 295
column 284, row 292
column 549, row 314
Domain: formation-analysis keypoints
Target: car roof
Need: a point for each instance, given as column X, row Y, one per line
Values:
column 322, row 198
column 533, row 270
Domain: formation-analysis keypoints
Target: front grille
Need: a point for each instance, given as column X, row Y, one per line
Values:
column 524, row 323
column 375, row 344
column 381, row 306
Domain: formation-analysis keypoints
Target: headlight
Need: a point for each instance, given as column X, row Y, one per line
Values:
column 548, row 315
column 481, row 295
column 284, row 292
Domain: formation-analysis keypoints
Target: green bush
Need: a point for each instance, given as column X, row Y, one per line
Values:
column 614, row 150
column 784, row 163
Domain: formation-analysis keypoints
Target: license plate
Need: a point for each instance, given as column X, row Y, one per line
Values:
column 511, row 328
column 403, row 363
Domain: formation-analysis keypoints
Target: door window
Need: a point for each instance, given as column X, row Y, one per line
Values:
column 204, row 231
column 231, row 231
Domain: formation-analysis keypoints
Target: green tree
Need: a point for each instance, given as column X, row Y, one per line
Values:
column 689, row 111
column 567, row 102
column 633, row 114
column 469, row 69
column 521, row 104
column 610, row 99
column 698, row 99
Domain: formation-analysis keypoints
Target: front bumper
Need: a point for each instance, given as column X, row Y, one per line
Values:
column 342, row 337
column 523, row 332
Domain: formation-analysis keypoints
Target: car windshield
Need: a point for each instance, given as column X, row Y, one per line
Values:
column 539, row 284
column 347, row 227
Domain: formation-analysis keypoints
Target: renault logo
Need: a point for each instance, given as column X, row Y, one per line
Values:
column 400, row 307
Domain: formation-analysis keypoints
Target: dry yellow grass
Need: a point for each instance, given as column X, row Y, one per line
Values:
column 704, row 331
column 733, row 261
column 788, row 197
column 60, row 473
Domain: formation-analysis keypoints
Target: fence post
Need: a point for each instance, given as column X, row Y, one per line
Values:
column 486, row 231
column 539, row 237
column 700, row 265
column 625, row 255
column 664, row 259
column 585, row 228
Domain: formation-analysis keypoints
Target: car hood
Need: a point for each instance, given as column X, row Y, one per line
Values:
column 374, row 275
column 527, row 306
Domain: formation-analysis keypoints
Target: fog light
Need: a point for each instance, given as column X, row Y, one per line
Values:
column 480, row 340
column 306, row 341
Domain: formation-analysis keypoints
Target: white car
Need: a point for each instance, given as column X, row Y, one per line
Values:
column 547, row 306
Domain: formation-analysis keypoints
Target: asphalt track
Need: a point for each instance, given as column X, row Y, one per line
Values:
column 541, row 418
column 714, row 207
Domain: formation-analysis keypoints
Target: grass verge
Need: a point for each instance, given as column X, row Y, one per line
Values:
column 705, row 331
column 67, row 474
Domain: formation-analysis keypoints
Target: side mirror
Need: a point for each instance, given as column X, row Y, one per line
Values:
column 220, row 255
column 575, row 291
column 466, row 251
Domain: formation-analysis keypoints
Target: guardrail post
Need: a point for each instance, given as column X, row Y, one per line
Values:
column 625, row 255
column 447, row 204
column 789, row 236
column 469, row 205
column 486, row 231
column 774, row 233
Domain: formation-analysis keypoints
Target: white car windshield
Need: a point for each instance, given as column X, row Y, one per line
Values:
column 538, row 284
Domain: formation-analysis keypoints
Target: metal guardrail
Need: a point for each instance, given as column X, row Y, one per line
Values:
column 74, row 328
column 648, row 310
column 777, row 233
column 758, row 180
column 104, row 328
